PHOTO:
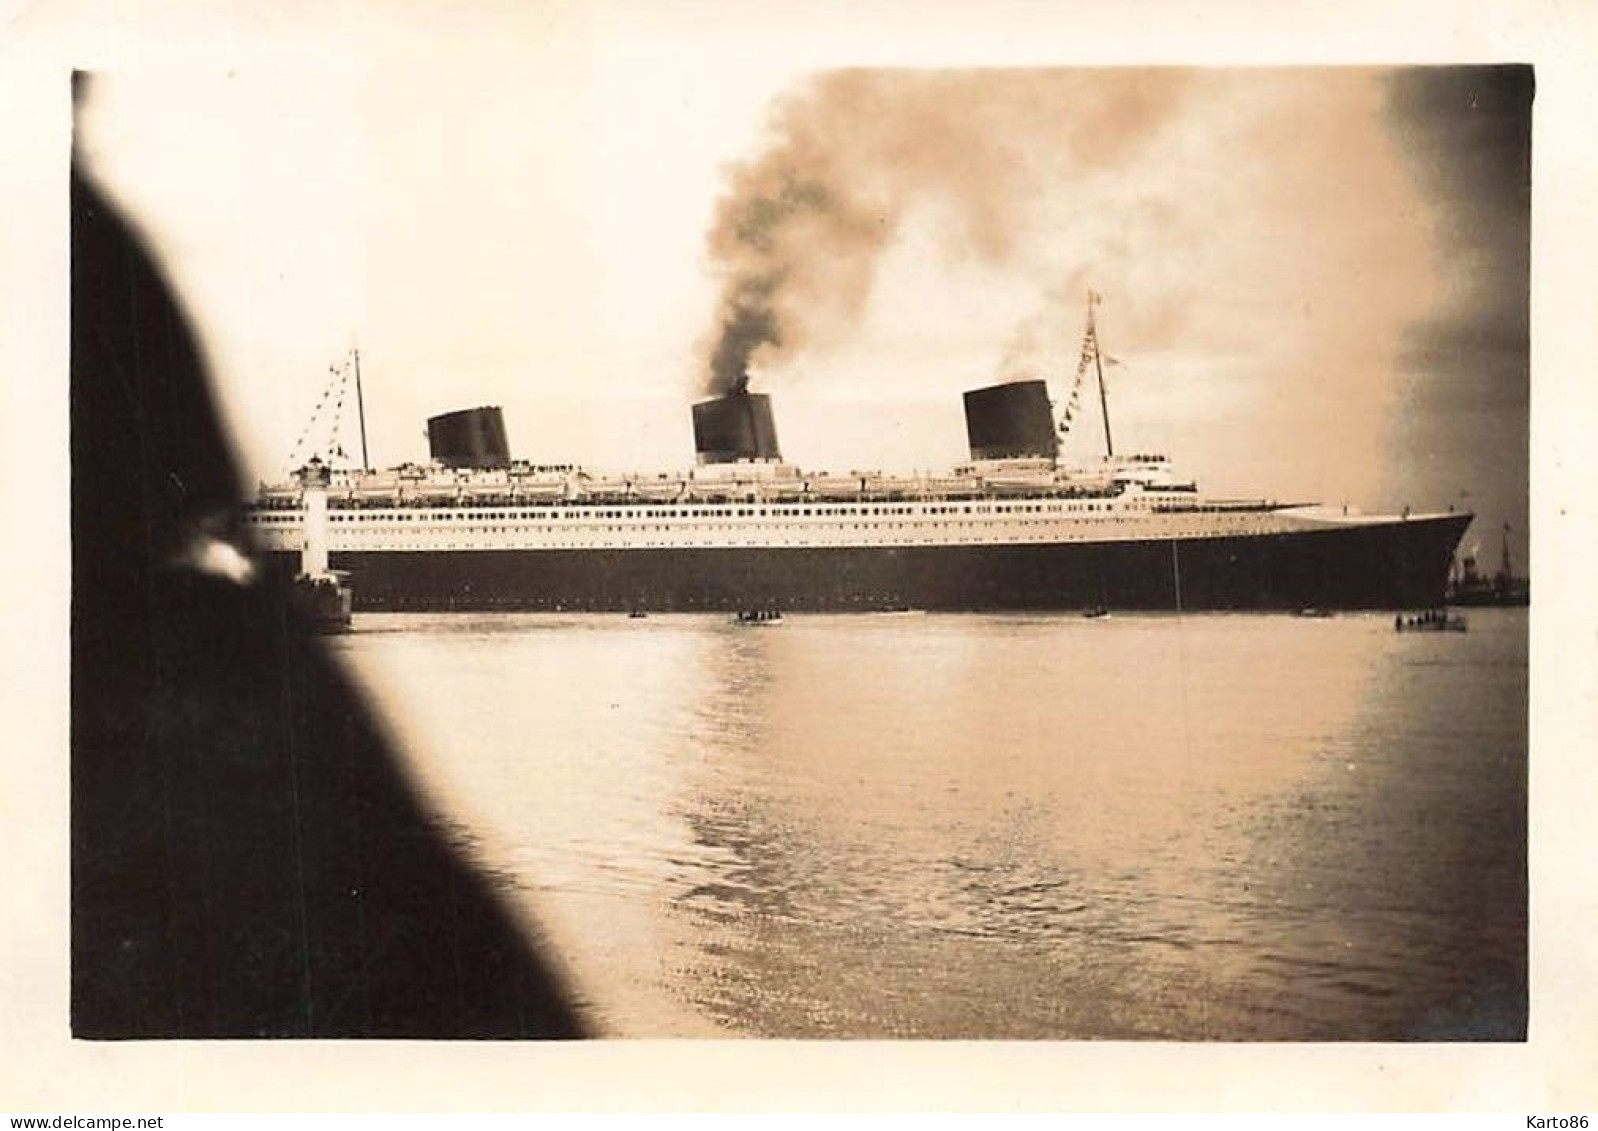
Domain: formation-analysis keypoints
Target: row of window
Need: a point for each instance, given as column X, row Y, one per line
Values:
column 729, row 512
column 991, row 538
column 700, row 530
column 635, row 528
column 455, row 516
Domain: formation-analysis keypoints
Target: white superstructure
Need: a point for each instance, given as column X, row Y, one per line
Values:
column 759, row 505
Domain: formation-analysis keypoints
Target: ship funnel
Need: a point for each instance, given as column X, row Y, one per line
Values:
column 472, row 437
column 735, row 427
column 1010, row 421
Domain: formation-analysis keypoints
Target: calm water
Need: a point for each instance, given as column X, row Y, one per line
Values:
column 1227, row 827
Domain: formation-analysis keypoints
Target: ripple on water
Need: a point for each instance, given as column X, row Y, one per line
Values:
column 1230, row 827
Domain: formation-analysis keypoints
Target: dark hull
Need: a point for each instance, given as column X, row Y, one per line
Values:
column 1397, row 565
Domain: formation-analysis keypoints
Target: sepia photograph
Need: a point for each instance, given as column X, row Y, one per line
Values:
column 1021, row 553
column 582, row 526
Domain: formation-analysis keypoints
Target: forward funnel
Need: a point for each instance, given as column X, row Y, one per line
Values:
column 472, row 437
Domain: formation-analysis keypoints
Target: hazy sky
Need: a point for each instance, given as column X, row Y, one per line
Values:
column 1315, row 279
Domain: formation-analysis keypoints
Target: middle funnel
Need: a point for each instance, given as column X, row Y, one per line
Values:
column 735, row 428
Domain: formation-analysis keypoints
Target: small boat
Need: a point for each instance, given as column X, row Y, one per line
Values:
column 1315, row 613
column 1433, row 620
column 838, row 486
column 1097, row 612
column 660, row 490
column 759, row 617
column 637, row 614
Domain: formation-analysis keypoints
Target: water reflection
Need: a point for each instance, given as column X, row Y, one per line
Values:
column 1232, row 827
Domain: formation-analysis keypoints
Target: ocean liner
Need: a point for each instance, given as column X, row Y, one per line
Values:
column 1014, row 527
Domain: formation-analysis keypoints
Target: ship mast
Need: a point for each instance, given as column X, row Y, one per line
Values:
column 331, row 405
column 1090, row 352
column 360, row 407
column 1098, row 368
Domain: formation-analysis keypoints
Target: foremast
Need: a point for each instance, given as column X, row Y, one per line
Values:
column 1091, row 356
column 323, row 430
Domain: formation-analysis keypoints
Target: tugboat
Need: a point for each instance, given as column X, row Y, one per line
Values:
column 324, row 601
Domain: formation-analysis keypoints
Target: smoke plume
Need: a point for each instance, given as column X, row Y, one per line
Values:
column 1267, row 242
column 797, row 239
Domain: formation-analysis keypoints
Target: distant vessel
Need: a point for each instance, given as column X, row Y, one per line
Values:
column 1015, row 527
column 1468, row 586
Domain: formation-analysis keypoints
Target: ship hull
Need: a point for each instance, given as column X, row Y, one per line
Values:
column 1377, row 566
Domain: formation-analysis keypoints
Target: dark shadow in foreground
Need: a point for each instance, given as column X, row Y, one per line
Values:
column 247, row 857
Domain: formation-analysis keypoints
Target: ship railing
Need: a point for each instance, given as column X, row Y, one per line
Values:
column 1218, row 506
column 420, row 496
column 362, row 502
column 278, row 498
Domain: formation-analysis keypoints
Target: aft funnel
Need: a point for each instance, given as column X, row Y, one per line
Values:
column 1010, row 421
